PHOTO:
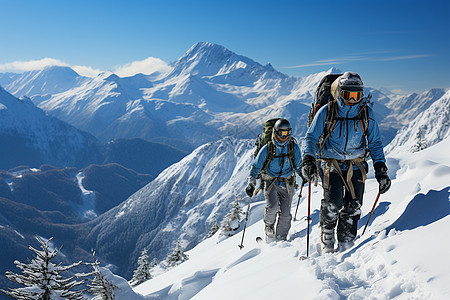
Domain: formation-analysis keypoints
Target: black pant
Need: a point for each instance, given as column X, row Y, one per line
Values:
column 338, row 207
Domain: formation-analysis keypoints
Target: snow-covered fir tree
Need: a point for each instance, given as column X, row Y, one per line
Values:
column 177, row 256
column 142, row 273
column 421, row 142
column 232, row 219
column 42, row 278
column 154, row 262
column 214, row 228
column 99, row 286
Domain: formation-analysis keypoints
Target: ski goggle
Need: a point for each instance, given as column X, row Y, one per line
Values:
column 352, row 95
column 283, row 135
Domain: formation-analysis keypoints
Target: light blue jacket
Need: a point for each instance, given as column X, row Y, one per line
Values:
column 344, row 142
column 280, row 166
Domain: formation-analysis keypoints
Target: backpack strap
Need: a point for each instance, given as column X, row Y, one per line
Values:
column 363, row 112
column 291, row 153
column 269, row 157
column 330, row 121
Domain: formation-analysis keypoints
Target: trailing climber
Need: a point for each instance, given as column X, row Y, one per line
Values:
column 276, row 164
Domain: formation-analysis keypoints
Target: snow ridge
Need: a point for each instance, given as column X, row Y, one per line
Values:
column 433, row 125
column 181, row 203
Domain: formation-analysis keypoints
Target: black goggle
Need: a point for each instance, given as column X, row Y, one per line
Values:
column 352, row 95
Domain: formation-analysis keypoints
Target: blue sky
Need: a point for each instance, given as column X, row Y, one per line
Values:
column 400, row 45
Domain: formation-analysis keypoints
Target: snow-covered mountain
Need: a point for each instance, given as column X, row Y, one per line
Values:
column 402, row 255
column 181, row 203
column 50, row 80
column 30, row 136
column 210, row 93
column 404, row 109
column 428, row 128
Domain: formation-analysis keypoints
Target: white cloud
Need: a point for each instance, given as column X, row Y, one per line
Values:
column 404, row 57
column 315, row 64
column 30, row 65
column 332, row 61
column 86, row 71
column 146, row 66
column 370, row 56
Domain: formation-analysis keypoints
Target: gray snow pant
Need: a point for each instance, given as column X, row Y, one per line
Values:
column 338, row 207
column 278, row 202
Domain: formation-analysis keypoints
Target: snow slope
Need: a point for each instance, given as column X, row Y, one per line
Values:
column 402, row 255
column 181, row 203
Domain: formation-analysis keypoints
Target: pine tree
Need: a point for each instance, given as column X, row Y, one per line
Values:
column 421, row 142
column 214, row 228
column 154, row 263
column 232, row 219
column 99, row 286
column 142, row 273
column 42, row 278
column 177, row 256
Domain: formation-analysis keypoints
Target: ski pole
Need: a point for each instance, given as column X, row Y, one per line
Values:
column 298, row 202
column 245, row 224
column 308, row 219
column 371, row 212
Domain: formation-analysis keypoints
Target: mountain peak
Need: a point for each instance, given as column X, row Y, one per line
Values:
column 334, row 70
column 206, row 53
column 212, row 60
column 68, row 71
column 202, row 47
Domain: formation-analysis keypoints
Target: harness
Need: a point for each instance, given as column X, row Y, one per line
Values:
column 346, row 180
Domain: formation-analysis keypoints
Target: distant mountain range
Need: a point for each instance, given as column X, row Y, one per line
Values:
column 31, row 137
column 211, row 92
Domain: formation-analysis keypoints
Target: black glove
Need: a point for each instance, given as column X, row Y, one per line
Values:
column 382, row 177
column 309, row 167
column 250, row 189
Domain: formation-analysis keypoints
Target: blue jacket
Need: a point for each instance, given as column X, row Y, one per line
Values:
column 280, row 166
column 344, row 142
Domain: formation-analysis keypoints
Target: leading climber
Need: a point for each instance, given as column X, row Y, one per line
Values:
column 341, row 134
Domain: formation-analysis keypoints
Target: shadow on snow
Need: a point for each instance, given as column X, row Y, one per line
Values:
column 424, row 210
